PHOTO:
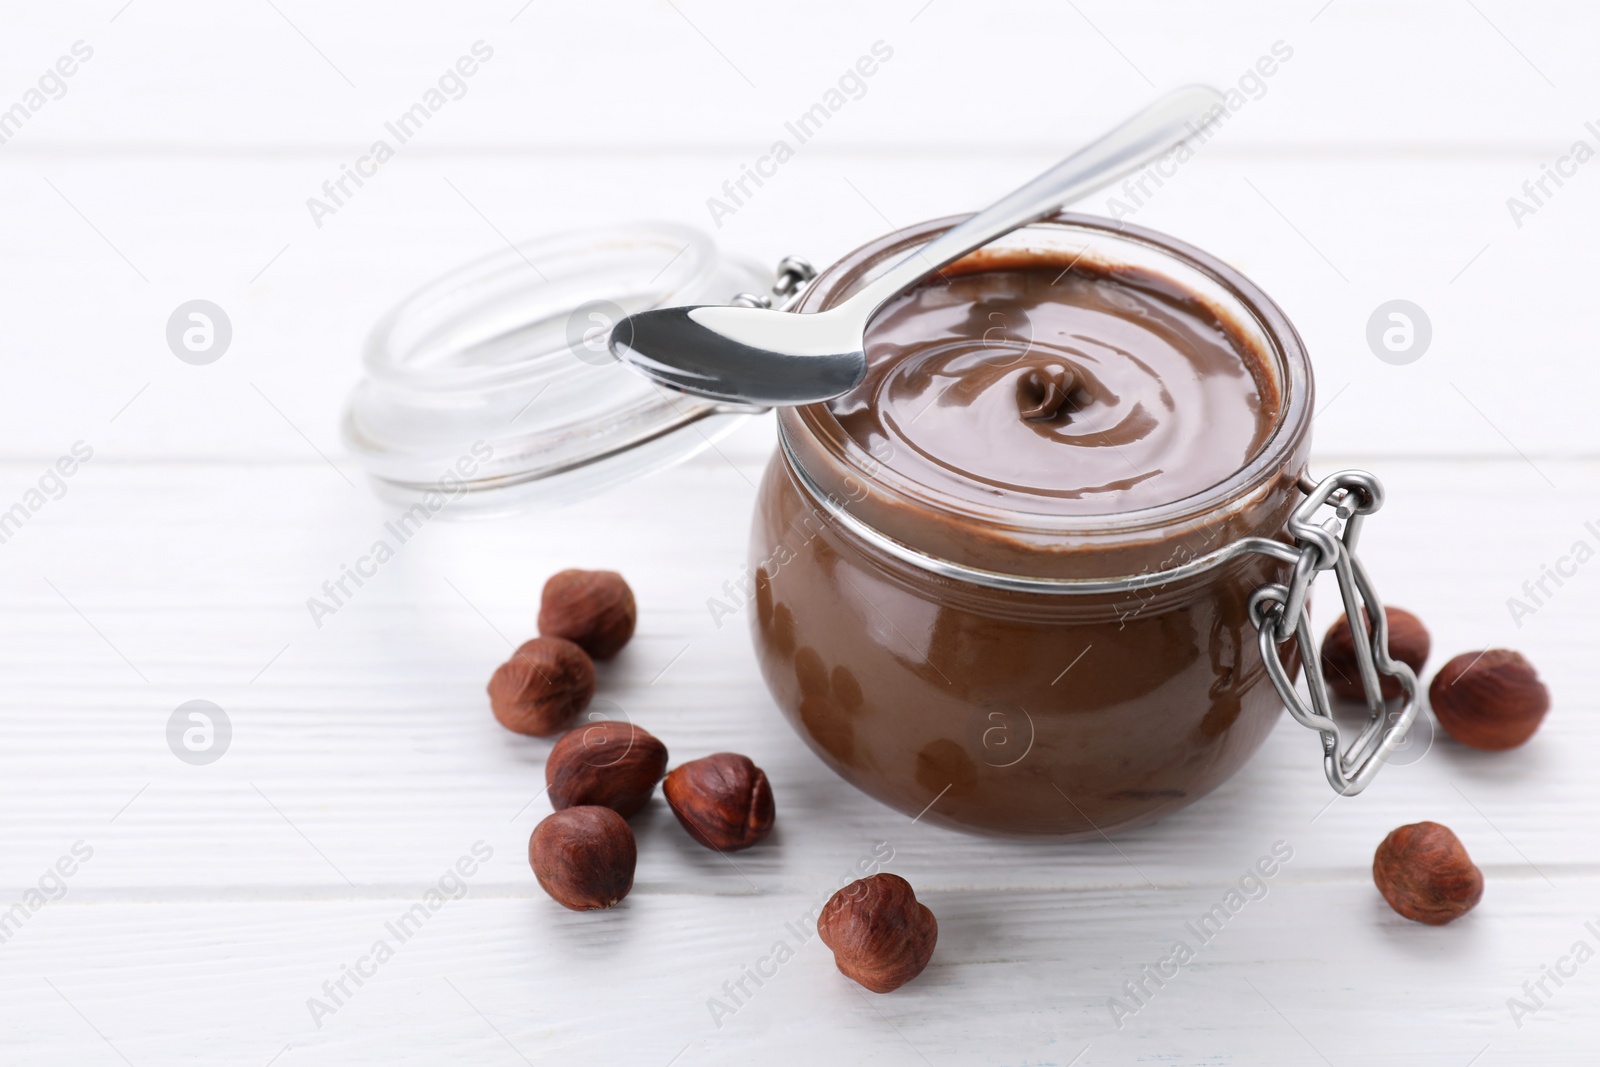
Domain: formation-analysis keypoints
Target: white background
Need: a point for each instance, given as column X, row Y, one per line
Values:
column 1376, row 165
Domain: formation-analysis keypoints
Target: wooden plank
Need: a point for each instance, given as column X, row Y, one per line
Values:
column 1330, row 240
column 1405, row 76
column 1020, row 976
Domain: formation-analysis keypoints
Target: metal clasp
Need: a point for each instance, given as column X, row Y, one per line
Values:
column 1280, row 613
column 793, row 275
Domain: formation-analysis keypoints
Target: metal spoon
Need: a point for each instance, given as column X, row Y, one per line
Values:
column 759, row 356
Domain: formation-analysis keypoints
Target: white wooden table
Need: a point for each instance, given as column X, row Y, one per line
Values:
column 206, row 905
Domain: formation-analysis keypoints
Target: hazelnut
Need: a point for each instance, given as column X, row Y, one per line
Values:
column 542, row 687
column 880, row 936
column 1491, row 700
column 584, row 857
column 593, row 609
column 722, row 800
column 1408, row 642
column 1425, row 874
column 613, row 764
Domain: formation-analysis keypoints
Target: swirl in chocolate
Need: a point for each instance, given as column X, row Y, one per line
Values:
column 1071, row 391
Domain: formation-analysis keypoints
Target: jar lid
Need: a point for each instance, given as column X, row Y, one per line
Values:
column 494, row 386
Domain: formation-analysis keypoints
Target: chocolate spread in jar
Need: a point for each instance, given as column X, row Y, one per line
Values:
column 1069, row 390
column 1023, row 389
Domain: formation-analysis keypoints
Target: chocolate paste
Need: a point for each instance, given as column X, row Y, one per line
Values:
column 1061, row 390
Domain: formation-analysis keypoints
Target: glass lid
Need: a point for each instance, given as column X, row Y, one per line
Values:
column 493, row 387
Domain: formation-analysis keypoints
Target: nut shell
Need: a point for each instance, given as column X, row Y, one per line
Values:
column 1409, row 643
column 613, row 764
column 584, row 857
column 593, row 609
column 543, row 687
column 1491, row 700
column 880, row 935
column 723, row 800
column 1425, row 874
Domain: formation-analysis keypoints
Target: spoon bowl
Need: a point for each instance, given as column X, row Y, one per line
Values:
column 780, row 358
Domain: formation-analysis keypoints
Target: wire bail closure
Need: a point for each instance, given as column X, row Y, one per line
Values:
column 789, row 284
column 1280, row 613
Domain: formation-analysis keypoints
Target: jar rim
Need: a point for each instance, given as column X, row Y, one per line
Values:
column 829, row 461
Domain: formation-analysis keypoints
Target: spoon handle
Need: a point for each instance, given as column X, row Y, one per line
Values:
column 1161, row 126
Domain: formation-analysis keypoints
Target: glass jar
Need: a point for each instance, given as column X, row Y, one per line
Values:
column 963, row 669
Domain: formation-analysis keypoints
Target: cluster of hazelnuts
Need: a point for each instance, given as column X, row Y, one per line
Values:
column 601, row 774
column 1491, row 700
